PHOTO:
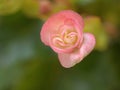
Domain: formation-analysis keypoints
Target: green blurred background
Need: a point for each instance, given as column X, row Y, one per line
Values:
column 27, row 64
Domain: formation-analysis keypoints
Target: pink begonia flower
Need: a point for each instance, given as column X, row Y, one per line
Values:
column 63, row 32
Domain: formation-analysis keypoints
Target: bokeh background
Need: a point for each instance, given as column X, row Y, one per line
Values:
column 27, row 64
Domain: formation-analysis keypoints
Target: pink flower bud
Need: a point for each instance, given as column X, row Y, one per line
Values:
column 63, row 32
column 45, row 6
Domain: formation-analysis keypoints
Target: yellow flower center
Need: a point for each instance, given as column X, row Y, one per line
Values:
column 65, row 39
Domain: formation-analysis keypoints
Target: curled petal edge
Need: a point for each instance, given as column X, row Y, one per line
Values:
column 71, row 59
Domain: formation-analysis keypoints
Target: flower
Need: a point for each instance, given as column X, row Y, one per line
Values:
column 63, row 32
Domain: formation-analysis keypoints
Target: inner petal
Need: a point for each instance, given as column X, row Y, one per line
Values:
column 66, row 37
column 57, row 41
column 70, row 38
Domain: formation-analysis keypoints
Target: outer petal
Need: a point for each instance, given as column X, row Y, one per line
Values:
column 69, row 60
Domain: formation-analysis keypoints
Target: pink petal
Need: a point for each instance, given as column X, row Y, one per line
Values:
column 52, row 25
column 69, row 60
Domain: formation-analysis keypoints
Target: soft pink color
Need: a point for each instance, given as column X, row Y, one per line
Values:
column 63, row 32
